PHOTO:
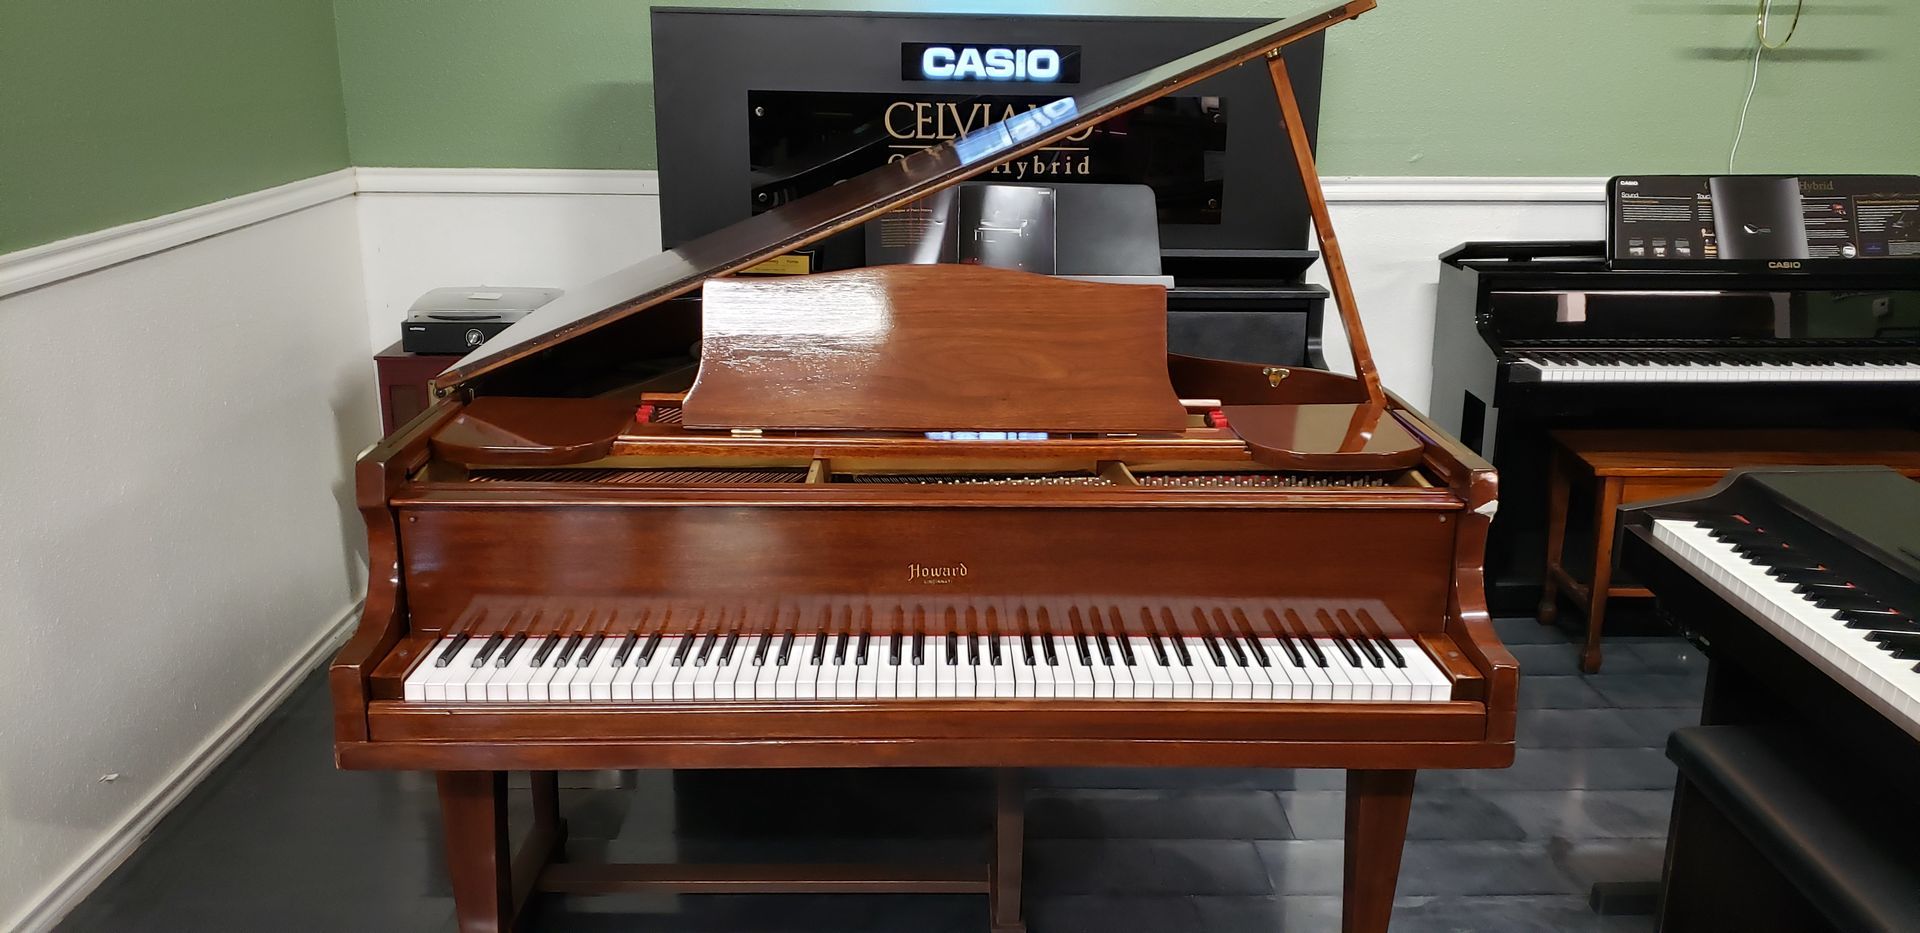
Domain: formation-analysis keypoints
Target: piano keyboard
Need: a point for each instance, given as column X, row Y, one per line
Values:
column 1867, row 645
column 1713, row 366
column 623, row 668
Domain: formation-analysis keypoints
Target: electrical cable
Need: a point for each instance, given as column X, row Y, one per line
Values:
column 1762, row 13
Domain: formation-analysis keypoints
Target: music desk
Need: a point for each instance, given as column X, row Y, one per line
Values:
column 1627, row 465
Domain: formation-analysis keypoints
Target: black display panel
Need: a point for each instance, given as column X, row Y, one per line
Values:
column 1779, row 222
column 1229, row 184
column 801, row 141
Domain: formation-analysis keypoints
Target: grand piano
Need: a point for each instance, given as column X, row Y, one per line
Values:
column 914, row 516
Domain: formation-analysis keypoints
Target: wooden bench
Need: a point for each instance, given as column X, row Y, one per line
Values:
column 1624, row 466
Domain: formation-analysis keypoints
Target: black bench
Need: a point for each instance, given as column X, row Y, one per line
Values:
column 1775, row 831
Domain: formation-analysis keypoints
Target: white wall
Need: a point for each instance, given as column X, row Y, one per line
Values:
column 176, row 530
column 427, row 228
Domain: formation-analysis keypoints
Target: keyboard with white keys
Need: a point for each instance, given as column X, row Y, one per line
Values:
column 1716, row 365
column 1064, row 651
column 1826, row 561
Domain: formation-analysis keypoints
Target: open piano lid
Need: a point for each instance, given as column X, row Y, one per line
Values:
column 823, row 213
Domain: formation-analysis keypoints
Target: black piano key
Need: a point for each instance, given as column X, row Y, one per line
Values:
column 1891, row 620
column 1313, row 650
column 973, row 650
column 840, row 647
column 653, row 645
column 567, row 649
column 593, row 646
column 1046, row 649
column 679, row 657
column 1292, row 650
column 1903, row 645
column 951, row 655
column 1259, row 653
column 894, row 645
column 1791, row 574
column 1026, row 651
column 1233, row 647
column 1213, row 650
column 1836, row 587
column 1106, row 648
column 786, row 649
column 760, row 653
column 860, row 650
column 547, row 647
column 453, row 648
column 513, row 647
column 1159, row 650
column 1346, row 648
column 1373, row 654
column 492, row 644
column 699, row 659
column 1393, row 654
column 920, row 650
column 1180, row 650
column 993, row 651
column 625, row 652
column 1080, row 646
column 1837, row 601
column 726, row 648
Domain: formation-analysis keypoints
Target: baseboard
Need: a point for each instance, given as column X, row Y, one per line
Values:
column 46, row 910
column 63, row 259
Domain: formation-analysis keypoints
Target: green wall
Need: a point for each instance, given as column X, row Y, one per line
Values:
column 117, row 110
column 1418, row 87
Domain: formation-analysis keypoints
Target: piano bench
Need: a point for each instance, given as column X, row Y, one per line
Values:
column 1769, row 835
column 1624, row 466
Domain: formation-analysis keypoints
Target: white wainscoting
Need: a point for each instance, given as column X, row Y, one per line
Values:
column 424, row 228
column 176, row 513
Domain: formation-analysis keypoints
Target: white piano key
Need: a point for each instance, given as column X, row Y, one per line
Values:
column 1181, row 674
column 945, row 667
column 1102, row 673
column 1023, row 675
column 1158, row 684
column 866, row 677
column 1043, row 671
column 415, row 687
column 1003, row 681
column 1335, row 670
column 786, row 685
column 1423, row 672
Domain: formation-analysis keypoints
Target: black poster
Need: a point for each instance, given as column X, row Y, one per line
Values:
column 1770, row 221
column 802, row 141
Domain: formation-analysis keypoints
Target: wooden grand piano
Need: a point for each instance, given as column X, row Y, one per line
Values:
column 940, row 516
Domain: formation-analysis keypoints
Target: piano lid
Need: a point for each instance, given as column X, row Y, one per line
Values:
column 823, row 213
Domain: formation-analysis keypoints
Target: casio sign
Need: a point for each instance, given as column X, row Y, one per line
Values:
column 1038, row 64
column 1783, row 265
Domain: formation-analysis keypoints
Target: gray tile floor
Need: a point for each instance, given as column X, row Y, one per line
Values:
column 279, row 841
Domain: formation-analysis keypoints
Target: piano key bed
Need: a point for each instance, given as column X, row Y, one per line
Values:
column 858, row 649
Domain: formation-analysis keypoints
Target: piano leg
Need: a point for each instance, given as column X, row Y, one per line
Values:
column 473, row 814
column 1009, row 841
column 1557, row 493
column 546, row 810
column 1377, row 806
column 491, row 883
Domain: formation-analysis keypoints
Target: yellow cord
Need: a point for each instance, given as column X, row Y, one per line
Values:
column 1760, row 24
